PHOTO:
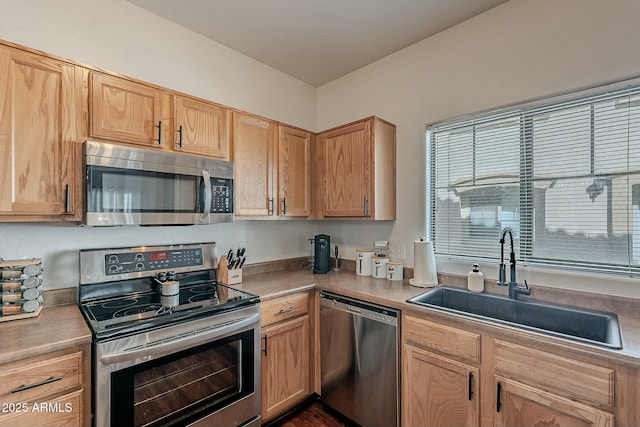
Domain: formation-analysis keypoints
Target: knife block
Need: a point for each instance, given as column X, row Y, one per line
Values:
column 226, row 276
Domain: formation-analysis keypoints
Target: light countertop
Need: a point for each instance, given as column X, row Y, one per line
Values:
column 63, row 326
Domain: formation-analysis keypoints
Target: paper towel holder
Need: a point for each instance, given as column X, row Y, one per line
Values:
column 427, row 256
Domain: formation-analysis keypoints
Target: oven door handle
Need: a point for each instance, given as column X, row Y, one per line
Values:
column 167, row 346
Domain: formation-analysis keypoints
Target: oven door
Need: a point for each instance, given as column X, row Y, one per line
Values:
column 203, row 372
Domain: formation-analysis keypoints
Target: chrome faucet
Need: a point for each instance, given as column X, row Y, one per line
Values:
column 514, row 288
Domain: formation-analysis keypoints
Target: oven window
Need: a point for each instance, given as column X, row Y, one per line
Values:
column 185, row 385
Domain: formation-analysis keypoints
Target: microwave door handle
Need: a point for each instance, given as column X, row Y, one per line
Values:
column 206, row 211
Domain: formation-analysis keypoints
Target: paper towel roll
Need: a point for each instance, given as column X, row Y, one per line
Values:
column 424, row 265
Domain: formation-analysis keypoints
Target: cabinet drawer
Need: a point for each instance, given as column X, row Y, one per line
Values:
column 30, row 382
column 571, row 378
column 64, row 411
column 445, row 339
column 283, row 308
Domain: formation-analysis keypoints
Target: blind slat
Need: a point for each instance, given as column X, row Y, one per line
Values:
column 564, row 175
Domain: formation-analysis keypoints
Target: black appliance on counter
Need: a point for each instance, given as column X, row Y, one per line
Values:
column 322, row 251
column 191, row 358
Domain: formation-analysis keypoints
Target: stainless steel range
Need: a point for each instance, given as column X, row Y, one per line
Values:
column 171, row 346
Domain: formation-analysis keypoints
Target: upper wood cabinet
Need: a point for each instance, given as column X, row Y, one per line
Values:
column 202, row 128
column 253, row 145
column 41, row 119
column 357, row 171
column 294, row 174
column 130, row 112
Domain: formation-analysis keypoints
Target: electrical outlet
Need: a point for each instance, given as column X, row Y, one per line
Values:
column 402, row 252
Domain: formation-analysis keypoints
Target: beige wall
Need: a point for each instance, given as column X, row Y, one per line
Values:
column 123, row 38
column 520, row 50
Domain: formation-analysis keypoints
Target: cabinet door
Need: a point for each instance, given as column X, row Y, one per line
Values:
column 438, row 391
column 253, row 141
column 348, row 154
column 285, row 365
column 521, row 405
column 294, row 150
column 39, row 113
column 125, row 111
column 202, row 128
column 63, row 411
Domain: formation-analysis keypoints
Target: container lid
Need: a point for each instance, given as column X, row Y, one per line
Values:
column 364, row 250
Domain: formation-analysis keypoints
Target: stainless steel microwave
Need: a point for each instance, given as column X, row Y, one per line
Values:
column 135, row 186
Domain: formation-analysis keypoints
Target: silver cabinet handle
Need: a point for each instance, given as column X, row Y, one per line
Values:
column 288, row 310
column 271, row 207
column 284, row 206
column 366, row 206
column 180, row 137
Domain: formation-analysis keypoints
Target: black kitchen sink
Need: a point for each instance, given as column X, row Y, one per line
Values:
column 581, row 325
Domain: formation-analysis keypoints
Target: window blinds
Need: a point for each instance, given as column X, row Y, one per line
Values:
column 564, row 175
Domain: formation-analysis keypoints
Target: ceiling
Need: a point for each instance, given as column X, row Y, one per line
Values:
column 317, row 41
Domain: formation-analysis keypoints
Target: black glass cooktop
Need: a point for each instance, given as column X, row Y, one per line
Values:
column 148, row 308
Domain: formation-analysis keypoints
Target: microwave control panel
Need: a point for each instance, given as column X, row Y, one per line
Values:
column 221, row 195
column 149, row 261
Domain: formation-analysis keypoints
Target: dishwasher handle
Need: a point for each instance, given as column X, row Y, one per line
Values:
column 359, row 308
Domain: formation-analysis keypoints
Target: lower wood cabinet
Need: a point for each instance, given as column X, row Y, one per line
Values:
column 52, row 389
column 440, row 377
column 522, row 405
column 456, row 376
column 285, row 353
column 439, row 391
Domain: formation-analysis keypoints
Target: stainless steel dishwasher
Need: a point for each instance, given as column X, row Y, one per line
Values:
column 359, row 360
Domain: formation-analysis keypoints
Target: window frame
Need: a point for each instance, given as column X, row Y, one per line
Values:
column 527, row 110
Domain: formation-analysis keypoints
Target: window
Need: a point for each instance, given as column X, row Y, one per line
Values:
column 562, row 173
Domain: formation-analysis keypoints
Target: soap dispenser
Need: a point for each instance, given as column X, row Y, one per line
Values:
column 475, row 280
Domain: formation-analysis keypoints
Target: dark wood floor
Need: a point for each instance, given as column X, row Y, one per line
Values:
column 311, row 414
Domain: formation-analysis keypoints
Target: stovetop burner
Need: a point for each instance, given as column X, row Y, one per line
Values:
column 120, row 288
column 134, row 312
column 138, row 309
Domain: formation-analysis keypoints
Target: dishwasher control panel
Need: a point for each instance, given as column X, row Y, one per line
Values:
column 360, row 308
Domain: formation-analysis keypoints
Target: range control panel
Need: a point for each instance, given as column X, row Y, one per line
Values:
column 120, row 263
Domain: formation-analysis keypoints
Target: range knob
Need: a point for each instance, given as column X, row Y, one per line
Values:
column 162, row 276
column 171, row 275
